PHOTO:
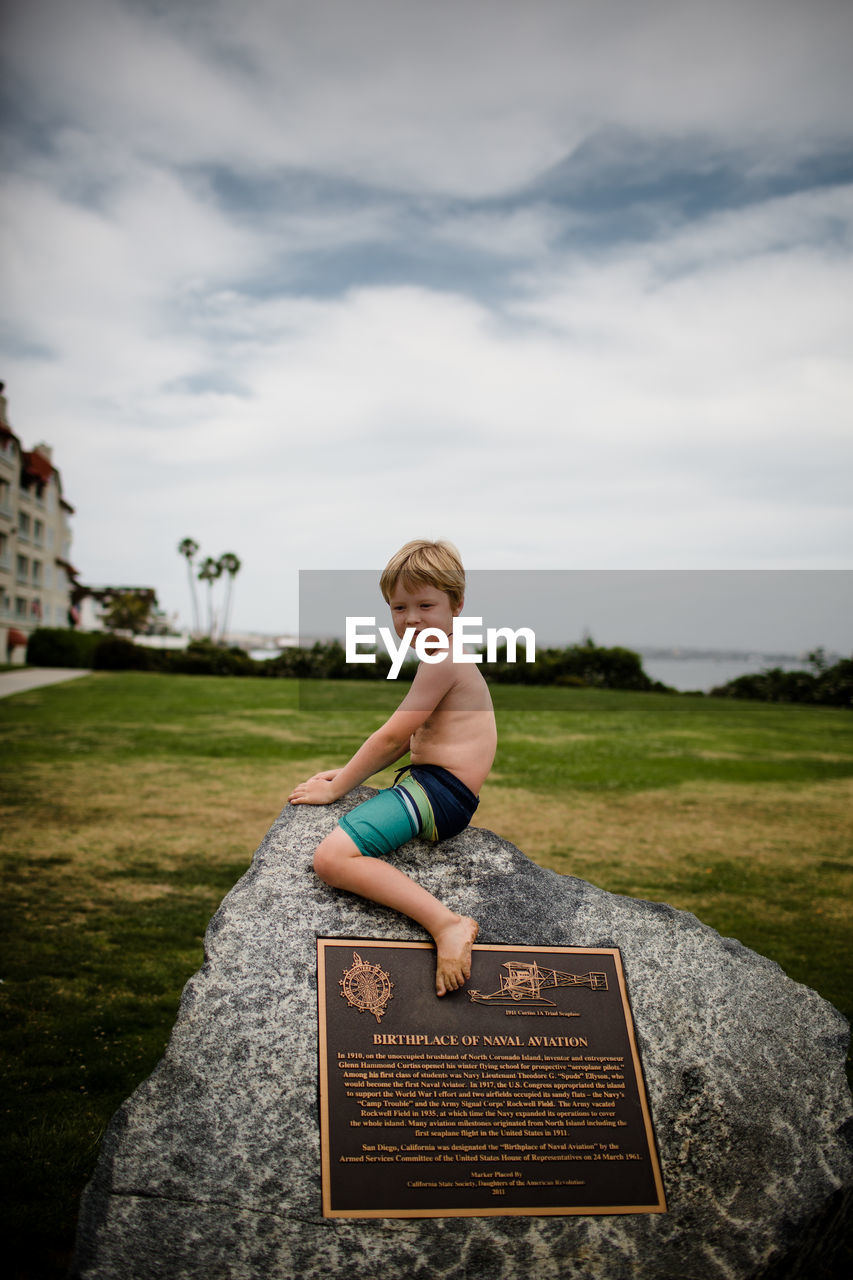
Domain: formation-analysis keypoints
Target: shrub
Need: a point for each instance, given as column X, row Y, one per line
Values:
column 203, row 658
column 61, row 647
column 577, row 666
column 832, row 687
column 327, row 661
column 835, row 685
column 114, row 653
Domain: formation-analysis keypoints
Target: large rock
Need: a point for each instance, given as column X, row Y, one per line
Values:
column 211, row 1170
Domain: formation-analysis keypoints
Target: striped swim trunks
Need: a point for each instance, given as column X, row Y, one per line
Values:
column 430, row 802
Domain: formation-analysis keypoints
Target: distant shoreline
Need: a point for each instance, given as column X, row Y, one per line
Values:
column 679, row 653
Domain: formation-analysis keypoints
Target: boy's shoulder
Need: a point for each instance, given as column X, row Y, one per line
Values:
column 453, row 684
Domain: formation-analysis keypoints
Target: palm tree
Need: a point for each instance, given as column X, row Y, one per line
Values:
column 230, row 564
column 208, row 573
column 189, row 548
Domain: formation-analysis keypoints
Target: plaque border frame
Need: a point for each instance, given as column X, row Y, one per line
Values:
column 485, row 1212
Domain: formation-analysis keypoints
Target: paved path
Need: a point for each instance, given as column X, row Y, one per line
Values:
column 34, row 677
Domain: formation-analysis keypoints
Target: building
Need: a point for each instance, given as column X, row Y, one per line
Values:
column 36, row 575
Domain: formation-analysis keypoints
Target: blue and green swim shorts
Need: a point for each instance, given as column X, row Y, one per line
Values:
column 430, row 802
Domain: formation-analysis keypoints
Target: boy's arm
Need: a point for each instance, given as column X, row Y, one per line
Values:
column 381, row 749
column 387, row 744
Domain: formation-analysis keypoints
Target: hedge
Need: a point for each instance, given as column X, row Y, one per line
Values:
column 830, row 688
column 62, row 647
column 578, row 665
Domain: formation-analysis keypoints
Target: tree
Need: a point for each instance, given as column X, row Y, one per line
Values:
column 189, row 548
column 130, row 611
column 208, row 573
column 230, row 564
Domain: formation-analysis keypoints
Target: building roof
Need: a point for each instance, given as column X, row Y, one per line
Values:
column 36, row 466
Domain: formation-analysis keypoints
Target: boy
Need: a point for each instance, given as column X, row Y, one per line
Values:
column 447, row 722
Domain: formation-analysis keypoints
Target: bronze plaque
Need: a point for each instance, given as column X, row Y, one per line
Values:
column 520, row 1094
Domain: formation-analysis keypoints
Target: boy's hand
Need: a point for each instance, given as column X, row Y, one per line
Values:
column 318, row 789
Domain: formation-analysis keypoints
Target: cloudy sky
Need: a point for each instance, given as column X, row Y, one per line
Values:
column 568, row 281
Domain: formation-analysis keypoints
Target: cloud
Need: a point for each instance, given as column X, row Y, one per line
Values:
column 634, row 414
column 471, row 99
column 601, row 442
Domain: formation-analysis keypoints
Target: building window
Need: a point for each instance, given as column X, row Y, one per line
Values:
column 23, row 524
column 38, row 532
column 37, row 573
column 20, row 607
column 23, row 569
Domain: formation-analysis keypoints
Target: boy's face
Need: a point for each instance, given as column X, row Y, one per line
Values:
column 421, row 607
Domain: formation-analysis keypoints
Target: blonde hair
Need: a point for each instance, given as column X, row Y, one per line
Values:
column 419, row 563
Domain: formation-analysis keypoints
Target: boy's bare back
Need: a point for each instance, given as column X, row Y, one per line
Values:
column 460, row 733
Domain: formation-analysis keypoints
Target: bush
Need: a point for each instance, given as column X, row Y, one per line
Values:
column 577, row 666
column 200, row 658
column 835, row 685
column 203, row 658
column 327, row 661
column 61, row 647
column 832, row 687
column 114, row 653
column 772, row 685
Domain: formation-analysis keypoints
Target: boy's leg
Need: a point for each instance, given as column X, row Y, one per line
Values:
column 341, row 864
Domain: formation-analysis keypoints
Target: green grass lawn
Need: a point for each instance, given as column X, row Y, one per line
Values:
column 132, row 802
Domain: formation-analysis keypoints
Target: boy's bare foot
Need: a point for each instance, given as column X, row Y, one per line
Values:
column 453, row 963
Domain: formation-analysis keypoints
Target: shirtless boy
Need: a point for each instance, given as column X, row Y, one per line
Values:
column 447, row 723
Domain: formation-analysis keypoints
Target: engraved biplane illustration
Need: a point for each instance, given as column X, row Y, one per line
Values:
column 523, row 983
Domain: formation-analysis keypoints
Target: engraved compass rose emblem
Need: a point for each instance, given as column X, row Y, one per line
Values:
column 366, row 987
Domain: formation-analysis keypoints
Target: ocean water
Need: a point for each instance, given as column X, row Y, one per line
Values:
column 707, row 673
